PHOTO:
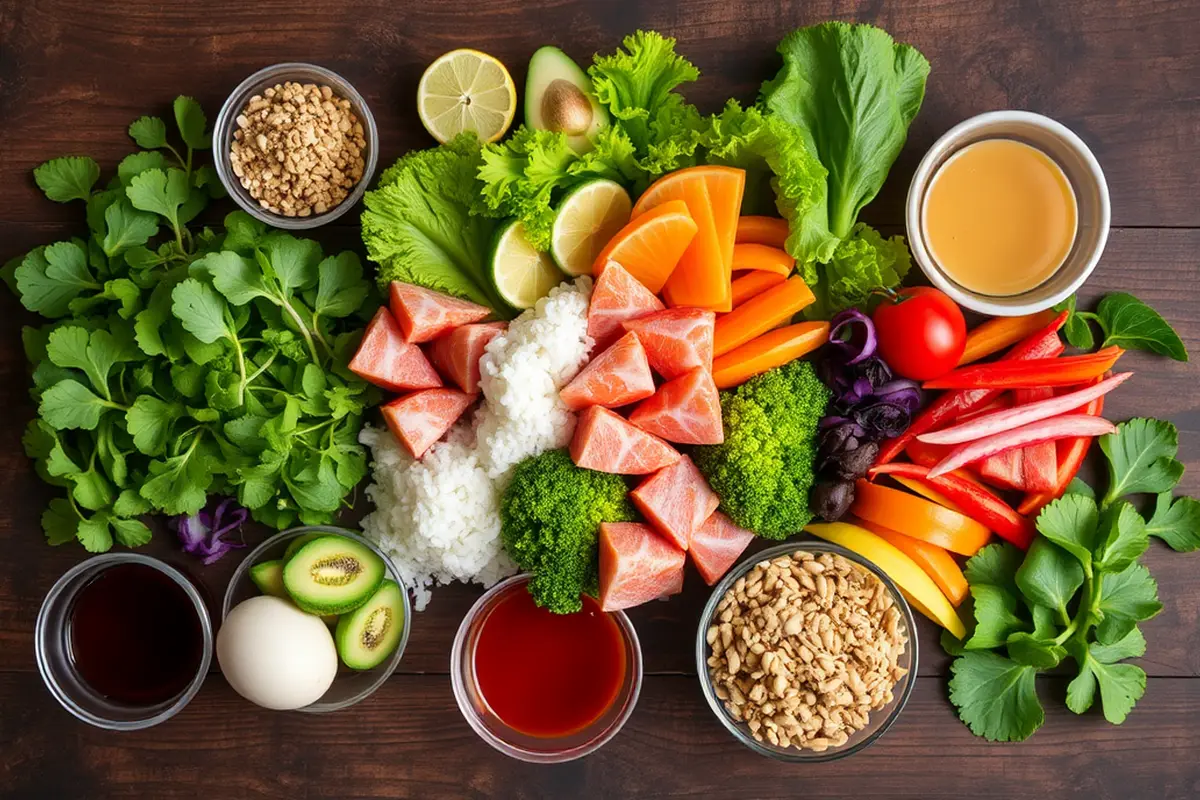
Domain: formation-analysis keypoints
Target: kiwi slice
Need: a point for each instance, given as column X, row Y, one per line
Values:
column 295, row 544
column 268, row 577
column 368, row 635
column 332, row 575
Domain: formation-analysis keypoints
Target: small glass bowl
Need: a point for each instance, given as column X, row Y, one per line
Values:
column 513, row 743
column 350, row 686
column 880, row 719
column 52, row 649
column 226, row 124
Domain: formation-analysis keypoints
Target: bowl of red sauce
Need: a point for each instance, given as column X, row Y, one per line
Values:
column 542, row 687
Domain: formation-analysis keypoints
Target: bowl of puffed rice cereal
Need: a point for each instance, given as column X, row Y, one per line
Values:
column 295, row 145
column 806, row 652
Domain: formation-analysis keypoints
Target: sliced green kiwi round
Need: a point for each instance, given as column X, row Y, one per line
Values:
column 268, row 577
column 332, row 575
column 368, row 635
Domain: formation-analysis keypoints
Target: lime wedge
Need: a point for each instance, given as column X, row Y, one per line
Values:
column 588, row 217
column 522, row 274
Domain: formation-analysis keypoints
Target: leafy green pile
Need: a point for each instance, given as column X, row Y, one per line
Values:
column 1126, row 322
column 550, row 518
column 764, row 469
column 1078, row 593
column 211, row 362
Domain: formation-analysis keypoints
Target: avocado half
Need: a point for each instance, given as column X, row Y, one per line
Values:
column 558, row 96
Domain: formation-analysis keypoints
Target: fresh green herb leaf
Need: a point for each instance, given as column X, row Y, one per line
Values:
column 1121, row 686
column 66, row 179
column 1033, row 651
column 69, row 404
column 149, row 422
column 94, row 534
column 1049, row 576
column 341, row 289
column 1132, row 645
column 235, row 276
column 131, row 532
column 1129, row 323
column 130, row 504
column 160, row 193
column 202, row 311
column 126, row 227
column 60, row 522
column 1126, row 598
column 91, row 490
column 1077, row 486
column 149, row 132
column 50, row 278
column 1176, row 521
column 1123, row 537
column 996, row 697
column 1071, row 523
column 1075, row 329
column 292, row 262
column 995, row 617
column 1141, row 458
column 189, row 116
column 994, row 565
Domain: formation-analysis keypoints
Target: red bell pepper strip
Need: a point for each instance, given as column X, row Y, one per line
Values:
column 952, row 405
column 974, row 499
column 1046, row 430
column 1030, row 374
column 1071, row 453
column 1002, row 470
column 1039, row 462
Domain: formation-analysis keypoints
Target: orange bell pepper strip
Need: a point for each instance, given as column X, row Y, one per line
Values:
column 925, row 491
column 1030, row 374
column 761, row 257
column 762, row 230
column 996, row 334
column 752, row 284
column 937, row 563
column 1071, row 453
column 918, row 518
column 768, row 351
column 760, row 314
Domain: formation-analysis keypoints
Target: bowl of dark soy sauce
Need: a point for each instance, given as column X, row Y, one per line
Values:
column 123, row 641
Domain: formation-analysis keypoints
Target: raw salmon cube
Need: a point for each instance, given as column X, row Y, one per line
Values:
column 605, row 442
column 456, row 354
column 616, row 297
column 424, row 314
column 686, row 410
column 636, row 565
column 675, row 585
column 421, row 418
column 677, row 500
column 677, row 340
column 386, row 360
column 618, row 376
column 716, row 545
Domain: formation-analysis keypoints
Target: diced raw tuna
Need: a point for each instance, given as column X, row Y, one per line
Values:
column 421, row 418
column 686, row 410
column 456, row 354
column 386, row 360
column 605, row 442
column 616, row 297
column 676, row 340
column 636, row 565
column 618, row 376
column 716, row 545
column 424, row 314
column 677, row 500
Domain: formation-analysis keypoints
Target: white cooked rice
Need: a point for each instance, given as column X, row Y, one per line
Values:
column 438, row 518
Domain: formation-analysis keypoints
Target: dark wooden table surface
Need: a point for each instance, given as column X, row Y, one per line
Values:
column 1124, row 74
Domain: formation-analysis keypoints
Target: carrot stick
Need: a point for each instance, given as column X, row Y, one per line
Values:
column 762, row 257
column 768, row 351
column 997, row 334
column 760, row 314
column 762, row 230
column 753, row 283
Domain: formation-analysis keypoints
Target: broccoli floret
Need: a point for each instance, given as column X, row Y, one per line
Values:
column 764, row 469
column 550, row 519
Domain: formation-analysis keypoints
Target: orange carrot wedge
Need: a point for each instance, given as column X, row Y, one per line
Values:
column 762, row 257
column 937, row 563
column 760, row 314
column 753, row 283
column 768, row 351
column 762, row 230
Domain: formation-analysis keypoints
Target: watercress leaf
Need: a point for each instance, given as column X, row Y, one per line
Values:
column 996, row 697
column 1132, row 645
column 69, row 404
column 91, row 490
column 141, row 258
column 130, row 504
column 312, row 381
column 1176, row 521
column 343, row 401
column 149, row 421
column 179, row 484
column 315, row 485
column 131, row 532
column 206, row 178
column 135, row 164
column 995, row 617
column 1049, row 576
column 1077, row 486
column 189, row 116
column 1130, row 323
column 243, row 232
column 222, row 390
column 235, row 276
column 1081, row 691
column 94, row 534
column 246, row 432
column 68, row 178
column 60, row 522
column 197, row 201
column 202, row 353
column 951, row 644
column 188, row 379
column 150, row 326
column 149, row 132
column 994, row 565
column 293, row 261
column 49, row 278
column 1034, row 651
column 1044, row 621
column 341, row 289
column 1126, row 598
column 97, row 206
column 1121, row 686
column 126, row 227
column 202, row 311
column 160, row 192
column 1071, row 523
column 1141, row 458
column 1123, row 537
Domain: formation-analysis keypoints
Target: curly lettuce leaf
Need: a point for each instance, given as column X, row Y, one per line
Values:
column 861, row 263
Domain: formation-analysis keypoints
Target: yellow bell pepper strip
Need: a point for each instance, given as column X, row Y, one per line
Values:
column 996, row 334
column 761, row 257
column 773, row 349
column 918, row 518
column 753, row 284
column 1031, row 374
column 762, row 230
column 937, row 563
column 760, row 314
column 918, row 587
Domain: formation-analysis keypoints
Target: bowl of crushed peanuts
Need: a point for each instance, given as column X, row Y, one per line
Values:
column 806, row 652
column 295, row 145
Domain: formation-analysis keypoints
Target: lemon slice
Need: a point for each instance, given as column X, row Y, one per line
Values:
column 522, row 274
column 588, row 217
column 466, row 90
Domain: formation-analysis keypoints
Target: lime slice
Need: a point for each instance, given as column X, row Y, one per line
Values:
column 466, row 90
column 588, row 217
column 522, row 274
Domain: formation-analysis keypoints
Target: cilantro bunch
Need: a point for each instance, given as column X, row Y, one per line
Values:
column 181, row 363
column 1079, row 593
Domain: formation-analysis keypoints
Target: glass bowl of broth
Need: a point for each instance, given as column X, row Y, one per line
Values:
column 541, row 687
column 1008, row 213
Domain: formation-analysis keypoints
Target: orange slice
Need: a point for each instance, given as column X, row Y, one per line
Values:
column 652, row 244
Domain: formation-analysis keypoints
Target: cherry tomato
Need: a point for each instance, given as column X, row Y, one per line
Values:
column 921, row 333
